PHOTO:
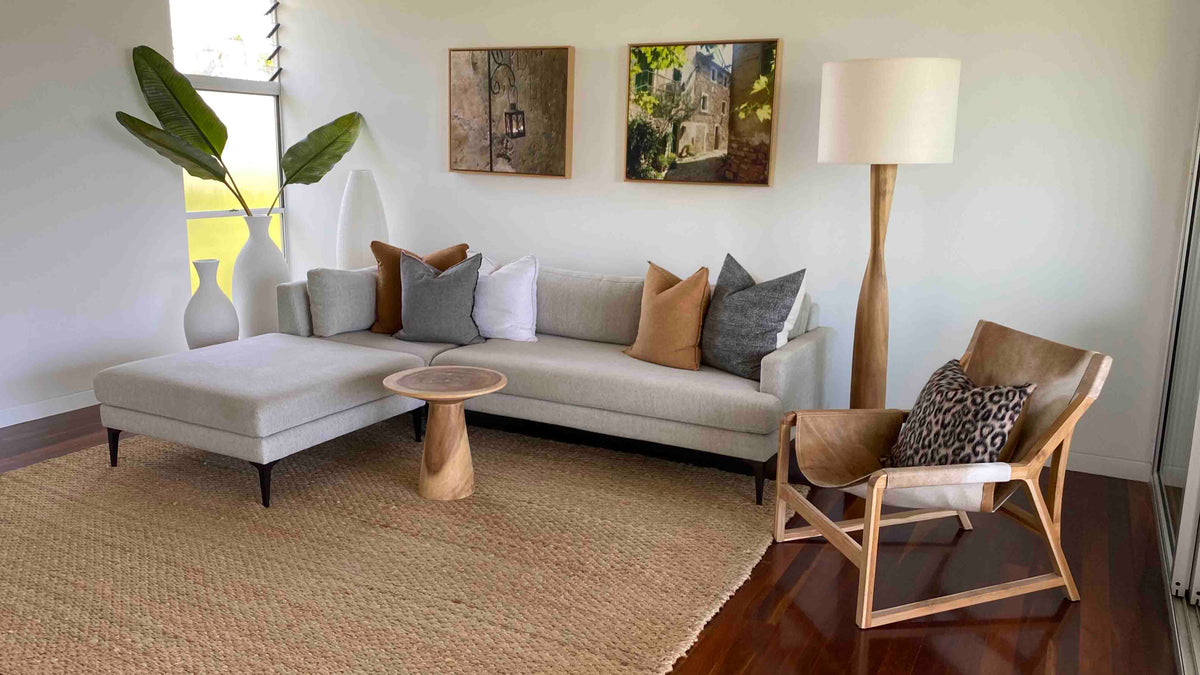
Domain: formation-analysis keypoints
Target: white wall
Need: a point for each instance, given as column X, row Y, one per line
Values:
column 93, row 249
column 1060, row 215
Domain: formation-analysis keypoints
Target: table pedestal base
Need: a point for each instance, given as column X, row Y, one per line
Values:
column 446, row 469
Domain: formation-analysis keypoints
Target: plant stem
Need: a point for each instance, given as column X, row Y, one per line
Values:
column 276, row 199
column 232, row 185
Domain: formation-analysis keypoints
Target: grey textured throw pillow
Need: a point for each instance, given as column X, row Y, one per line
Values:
column 746, row 321
column 341, row 301
column 436, row 306
column 955, row 422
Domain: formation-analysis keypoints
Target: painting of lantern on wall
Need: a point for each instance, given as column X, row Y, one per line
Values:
column 702, row 112
column 510, row 110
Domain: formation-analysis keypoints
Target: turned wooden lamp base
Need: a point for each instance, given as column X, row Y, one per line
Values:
column 447, row 472
column 868, row 371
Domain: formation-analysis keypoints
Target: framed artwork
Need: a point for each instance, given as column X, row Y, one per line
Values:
column 511, row 110
column 702, row 112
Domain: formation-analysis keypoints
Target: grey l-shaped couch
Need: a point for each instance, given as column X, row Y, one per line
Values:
column 266, row 397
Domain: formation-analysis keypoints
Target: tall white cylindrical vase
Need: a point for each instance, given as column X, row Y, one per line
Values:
column 209, row 318
column 360, row 221
column 259, row 268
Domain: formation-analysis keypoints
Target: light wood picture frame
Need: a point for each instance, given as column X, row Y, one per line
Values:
column 511, row 110
column 703, row 112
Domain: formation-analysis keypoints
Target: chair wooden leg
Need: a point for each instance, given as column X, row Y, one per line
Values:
column 835, row 535
column 870, row 552
column 782, row 473
column 865, row 556
column 1058, row 476
column 964, row 521
column 1053, row 538
column 856, row 524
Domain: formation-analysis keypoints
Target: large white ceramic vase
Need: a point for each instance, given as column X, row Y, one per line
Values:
column 360, row 221
column 210, row 318
column 259, row 268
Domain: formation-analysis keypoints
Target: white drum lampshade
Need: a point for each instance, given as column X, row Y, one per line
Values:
column 360, row 221
column 888, row 111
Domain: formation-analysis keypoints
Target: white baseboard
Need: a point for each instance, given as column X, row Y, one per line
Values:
column 52, row 406
column 1109, row 466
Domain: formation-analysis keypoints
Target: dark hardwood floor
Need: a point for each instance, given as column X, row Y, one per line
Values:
column 795, row 613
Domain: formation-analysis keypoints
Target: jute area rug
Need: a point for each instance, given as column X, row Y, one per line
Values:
column 567, row 559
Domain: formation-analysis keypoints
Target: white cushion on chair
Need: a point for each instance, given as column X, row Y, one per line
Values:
column 967, row 497
column 952, row 486
column 948, row 474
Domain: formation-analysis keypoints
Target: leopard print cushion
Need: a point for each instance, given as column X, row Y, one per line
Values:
column 955, row 422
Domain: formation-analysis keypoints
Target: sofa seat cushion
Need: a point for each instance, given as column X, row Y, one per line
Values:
column 598, row 375
column 365, row 338
column 254, row 387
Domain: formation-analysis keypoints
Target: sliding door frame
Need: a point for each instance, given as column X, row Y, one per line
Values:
column 1179, row 561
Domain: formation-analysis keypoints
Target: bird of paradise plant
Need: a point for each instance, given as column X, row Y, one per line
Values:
column 193, row 137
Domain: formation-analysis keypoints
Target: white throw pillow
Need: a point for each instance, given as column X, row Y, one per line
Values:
column 506, row 299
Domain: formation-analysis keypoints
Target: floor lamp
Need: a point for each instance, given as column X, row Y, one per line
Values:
column 884, row 112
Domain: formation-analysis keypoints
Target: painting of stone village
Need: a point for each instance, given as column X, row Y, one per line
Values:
column 701, row 113
column 510, row 110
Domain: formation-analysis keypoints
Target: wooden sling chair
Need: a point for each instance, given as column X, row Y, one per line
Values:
column 841, row 449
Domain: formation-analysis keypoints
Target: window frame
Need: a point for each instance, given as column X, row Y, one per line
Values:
column 271, row 87
column 274, row 89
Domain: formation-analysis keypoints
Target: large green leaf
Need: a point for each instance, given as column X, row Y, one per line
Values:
column 176, row 104
column 196, row 162
column 309, row 160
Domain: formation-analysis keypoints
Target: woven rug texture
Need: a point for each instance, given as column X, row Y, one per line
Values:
column 567, row 559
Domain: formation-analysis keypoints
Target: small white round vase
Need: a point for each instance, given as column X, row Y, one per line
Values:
column 360, row 221
column 259, row 268
column 210, row 318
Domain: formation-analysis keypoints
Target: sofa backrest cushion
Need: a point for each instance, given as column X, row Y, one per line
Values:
column 585, row 306
column 341, row 301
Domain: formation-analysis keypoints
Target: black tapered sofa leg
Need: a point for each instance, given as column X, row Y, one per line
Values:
column 419, row 416
column 264, row 481
column 114, row 437
column 759, row 476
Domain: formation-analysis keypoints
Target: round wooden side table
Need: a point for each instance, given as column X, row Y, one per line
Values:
column 446, row 470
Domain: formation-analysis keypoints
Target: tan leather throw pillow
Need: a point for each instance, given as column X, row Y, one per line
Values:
column 388, row 289
column 672, row 316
